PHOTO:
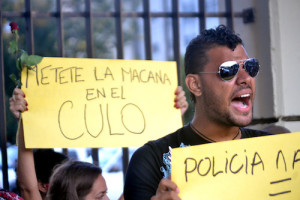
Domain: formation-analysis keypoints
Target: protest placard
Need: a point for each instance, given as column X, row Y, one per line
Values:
column 76, row 102
column 256, row 168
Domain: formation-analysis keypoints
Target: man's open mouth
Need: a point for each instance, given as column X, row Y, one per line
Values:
column 242, row 101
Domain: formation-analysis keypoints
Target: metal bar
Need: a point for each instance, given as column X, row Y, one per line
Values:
column 35, row 14
column 295, row 118
column 119, row 29
column 95, row 156
column 165, row 32
column 60, row 30
column 229, row 14
column 3, row 114
column 202, row 15
column 291, row 118
column 264, row 121
column 176, row 38
column 89, row 30
column 29, row 27
column 65, row 152
column 120, row 55
column 60, row 40
column 125, row 161
column 147, row 30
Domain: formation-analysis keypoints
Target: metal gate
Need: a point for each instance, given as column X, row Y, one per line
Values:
column 118, row 15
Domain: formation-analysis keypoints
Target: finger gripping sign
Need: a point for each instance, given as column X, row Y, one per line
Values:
column 262, row 168
column 75, row 102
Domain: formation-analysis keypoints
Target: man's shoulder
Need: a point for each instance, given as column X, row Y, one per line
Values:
column 161, row 145
column 248, row 133
column 170, row 138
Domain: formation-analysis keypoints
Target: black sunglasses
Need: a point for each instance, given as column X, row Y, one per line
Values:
column 229, row 69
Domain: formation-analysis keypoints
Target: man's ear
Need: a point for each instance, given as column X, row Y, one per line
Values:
column 193, row 83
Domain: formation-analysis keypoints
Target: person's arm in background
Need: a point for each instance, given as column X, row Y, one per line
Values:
column 180, row 100
column 25, row 171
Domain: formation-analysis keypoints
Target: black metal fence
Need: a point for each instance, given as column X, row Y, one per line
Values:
column 118, row 15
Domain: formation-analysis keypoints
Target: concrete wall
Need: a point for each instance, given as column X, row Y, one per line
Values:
column 285, row 53
column 274, row 38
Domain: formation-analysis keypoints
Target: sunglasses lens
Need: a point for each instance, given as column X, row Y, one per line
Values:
column 228, row 70
column 252, row 67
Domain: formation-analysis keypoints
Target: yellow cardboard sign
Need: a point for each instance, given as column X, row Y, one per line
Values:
column 74, row 102
column 257, row 168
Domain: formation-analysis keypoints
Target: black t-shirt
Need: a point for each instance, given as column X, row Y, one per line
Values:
column 150, row 163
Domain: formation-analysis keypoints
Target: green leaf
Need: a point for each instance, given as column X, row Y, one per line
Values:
column 23, row 58
column 33, row 60
column 19, row 84
column 13, row 46
column 19, row 64
column 13, row 77
column 16, row 81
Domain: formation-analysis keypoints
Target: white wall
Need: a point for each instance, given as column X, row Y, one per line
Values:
column 285, row 56
column 274, row 38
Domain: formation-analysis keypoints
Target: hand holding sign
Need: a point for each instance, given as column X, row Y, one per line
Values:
column 17, row 102
column 180, row 100
column 167, row 189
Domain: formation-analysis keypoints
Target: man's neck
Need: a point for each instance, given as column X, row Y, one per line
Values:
column 214, row 132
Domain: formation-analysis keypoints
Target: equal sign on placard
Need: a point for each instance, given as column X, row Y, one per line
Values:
column 282, row 192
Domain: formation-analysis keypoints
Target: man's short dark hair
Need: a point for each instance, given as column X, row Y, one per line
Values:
column 195, row 57
column 44, row 161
